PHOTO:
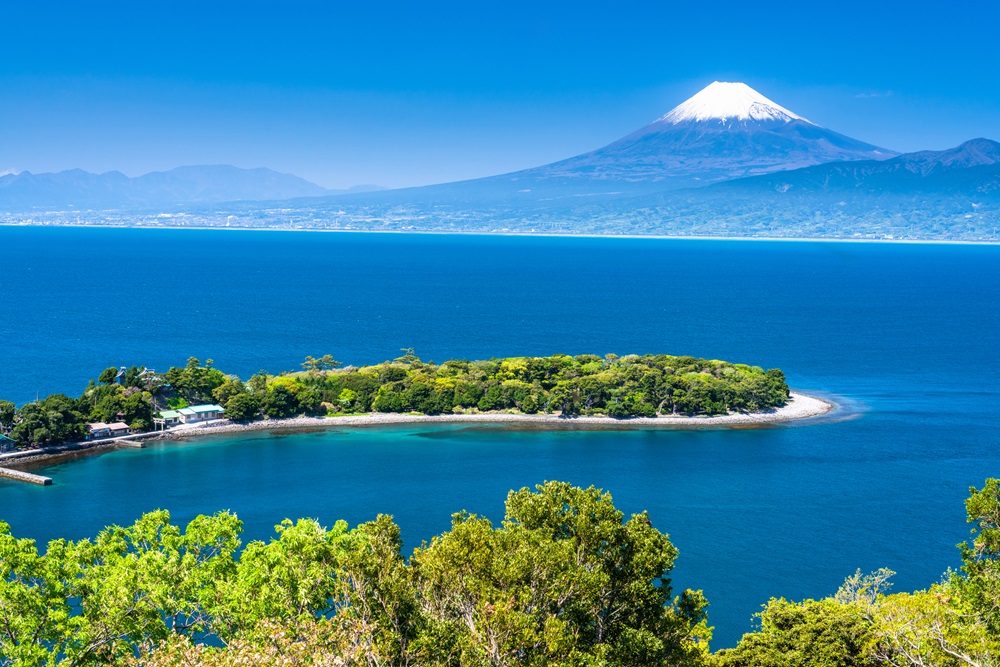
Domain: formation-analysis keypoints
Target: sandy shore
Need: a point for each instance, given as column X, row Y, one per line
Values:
column 801, row 406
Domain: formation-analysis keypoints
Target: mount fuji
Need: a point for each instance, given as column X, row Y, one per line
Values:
column 726, row 131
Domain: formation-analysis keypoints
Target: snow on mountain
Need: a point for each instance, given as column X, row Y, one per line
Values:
column 725, row 131
column 724, row 101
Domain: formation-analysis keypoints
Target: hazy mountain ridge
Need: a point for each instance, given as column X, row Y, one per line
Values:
column 943, row 195
column 726, row 131
column 753, row 164
column 971, row 168
column 78, row 189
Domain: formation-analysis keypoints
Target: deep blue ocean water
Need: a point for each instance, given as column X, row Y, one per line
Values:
column 905, row 336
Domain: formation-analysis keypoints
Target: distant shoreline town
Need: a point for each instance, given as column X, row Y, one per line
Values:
column 726, row 163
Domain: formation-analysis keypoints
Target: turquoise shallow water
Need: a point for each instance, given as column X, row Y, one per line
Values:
column 903, row 334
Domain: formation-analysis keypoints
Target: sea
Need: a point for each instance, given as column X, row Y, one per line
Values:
column 903, row 337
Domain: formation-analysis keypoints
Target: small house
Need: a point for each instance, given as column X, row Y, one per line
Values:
column 98, row 430
column 200, row 413
column 170, row 418
column 118, row 428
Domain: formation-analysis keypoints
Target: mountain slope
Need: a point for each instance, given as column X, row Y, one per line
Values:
column 971, row 168
column 78, row 189
column 728, row 130
column 952, row 194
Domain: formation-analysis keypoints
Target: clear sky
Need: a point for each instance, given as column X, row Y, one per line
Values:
column 412, row 93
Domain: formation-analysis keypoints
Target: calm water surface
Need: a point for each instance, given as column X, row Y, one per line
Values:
column 905, row 335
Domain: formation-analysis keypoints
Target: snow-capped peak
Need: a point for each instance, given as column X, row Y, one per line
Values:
column 724, row 101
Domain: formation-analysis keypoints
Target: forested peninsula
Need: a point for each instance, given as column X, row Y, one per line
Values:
column 565, row 580
column 611, row 386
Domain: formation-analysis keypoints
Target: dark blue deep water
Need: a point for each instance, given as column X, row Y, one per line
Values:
column 906, row 336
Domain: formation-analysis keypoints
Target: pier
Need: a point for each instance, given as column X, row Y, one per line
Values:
column 33, row 455
column 22, row 476
column 131, row 443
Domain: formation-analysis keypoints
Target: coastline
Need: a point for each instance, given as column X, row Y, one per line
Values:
column 588, row 235
column 800, row 407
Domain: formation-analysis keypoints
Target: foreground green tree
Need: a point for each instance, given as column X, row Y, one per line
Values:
column 564, row 580
column 7, row 412
column 94, row 602
column 813, row 633
column 951, row 624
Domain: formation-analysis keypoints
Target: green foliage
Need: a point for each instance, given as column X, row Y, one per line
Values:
column 800, row 634
column 195, row 382
column 108, row 375
column 51, row 421
column 93, row 602
column 621, row 387
column 279, row 403
column 565, row 580
column 7, row 412
column 617, row 386
column 981, row 558
column 951, row 624
column 324, row 363
column 228, row 389
column 242, row 407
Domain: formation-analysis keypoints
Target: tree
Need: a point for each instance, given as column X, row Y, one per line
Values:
column 225, row 391
column 108, row 375
column 195, row 382
column 981, row 558
column 34, row 600
column 292, row 577
column 242, row 407
column 824, row 633
column 52, row 421
column 564, row 580
column 258, row 382
column 409, row 357
column 324, row 363
column 137, row 410
column 94, row 602
column 7, row 412
column 279, row 403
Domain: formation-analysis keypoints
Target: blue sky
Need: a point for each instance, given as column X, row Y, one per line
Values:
column 411, row 93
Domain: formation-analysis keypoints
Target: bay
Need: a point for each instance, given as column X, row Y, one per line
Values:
column 903, row 335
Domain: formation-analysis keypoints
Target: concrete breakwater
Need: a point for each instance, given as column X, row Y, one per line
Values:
column 22, row 476
column 32, row 456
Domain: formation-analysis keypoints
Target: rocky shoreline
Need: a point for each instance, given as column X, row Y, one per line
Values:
column 800, row 406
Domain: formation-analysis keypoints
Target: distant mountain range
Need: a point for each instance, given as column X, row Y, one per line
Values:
column 184, row 186
column 727, row 161
column 952, row 194
column 726, row 131
column 973, row 167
